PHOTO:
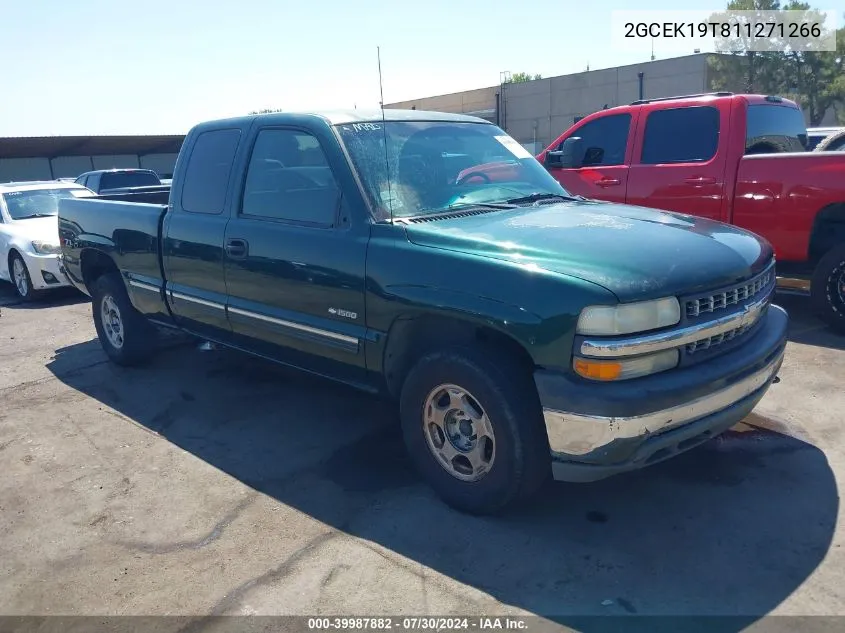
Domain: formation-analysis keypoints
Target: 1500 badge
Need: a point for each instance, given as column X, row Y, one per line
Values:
column 343, row 313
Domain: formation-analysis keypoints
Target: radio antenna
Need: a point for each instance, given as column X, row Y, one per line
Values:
column 384, row 135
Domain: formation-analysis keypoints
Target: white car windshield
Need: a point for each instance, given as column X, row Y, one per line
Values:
column 38, row 203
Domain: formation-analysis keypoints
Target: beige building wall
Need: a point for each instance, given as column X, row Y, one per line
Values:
column 481, row 101
column 535, row 112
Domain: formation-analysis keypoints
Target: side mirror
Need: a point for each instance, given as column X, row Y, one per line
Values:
column 569, row 156
column 572, row 151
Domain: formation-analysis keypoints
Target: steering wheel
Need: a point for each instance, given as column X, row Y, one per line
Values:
column 473, row 174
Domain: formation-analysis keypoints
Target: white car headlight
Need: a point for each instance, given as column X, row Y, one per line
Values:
column 625, row 368
column 46, row 248
column 626, row 318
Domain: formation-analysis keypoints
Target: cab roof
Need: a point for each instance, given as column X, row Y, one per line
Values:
column 339, row 117
column 709, row 97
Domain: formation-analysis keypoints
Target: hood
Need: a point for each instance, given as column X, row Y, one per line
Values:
column 42, row 229
column 634, row 252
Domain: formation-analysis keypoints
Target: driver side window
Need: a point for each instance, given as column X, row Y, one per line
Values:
column 605, row 140
column 289, row 179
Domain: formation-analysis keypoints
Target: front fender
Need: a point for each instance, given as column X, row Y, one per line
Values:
column 509, row 319
column 547, row 340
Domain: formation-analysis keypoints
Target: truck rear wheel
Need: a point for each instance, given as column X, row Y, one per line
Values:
column 126, row 336
column 827, row 288
column 474, row 429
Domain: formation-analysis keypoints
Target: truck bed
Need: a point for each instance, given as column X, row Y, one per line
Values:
column 127, row 231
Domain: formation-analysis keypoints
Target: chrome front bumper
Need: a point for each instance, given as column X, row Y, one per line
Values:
column 575, row 434
column 612, row 427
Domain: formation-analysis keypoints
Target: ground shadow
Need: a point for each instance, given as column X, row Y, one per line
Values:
column 730, row 529
column 64, row 296
column 805, row 326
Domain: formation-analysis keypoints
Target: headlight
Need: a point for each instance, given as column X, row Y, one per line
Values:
column 624, row 369
column 46, row 248
column 626, row 318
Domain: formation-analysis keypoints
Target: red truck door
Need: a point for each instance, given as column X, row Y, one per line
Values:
column 679, row 163
column 604, row 171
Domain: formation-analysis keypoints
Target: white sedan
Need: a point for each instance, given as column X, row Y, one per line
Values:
column 29, row 234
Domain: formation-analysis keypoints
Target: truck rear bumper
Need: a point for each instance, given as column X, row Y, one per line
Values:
column 624, row 426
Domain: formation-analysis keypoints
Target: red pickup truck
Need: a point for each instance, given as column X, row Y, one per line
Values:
column 739, row 159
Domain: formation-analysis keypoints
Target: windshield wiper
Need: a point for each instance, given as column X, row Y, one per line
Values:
column 485, row 205
column 455, row 206
column 537, row 197
column 36, row 215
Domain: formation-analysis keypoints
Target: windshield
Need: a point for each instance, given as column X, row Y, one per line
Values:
column 435, row 166
column 121, row 179
column 37, row 203
column 774, row 129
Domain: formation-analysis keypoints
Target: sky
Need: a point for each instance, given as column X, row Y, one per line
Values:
column 158, row 67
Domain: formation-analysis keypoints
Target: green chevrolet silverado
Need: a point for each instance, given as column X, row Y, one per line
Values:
column 524, row 332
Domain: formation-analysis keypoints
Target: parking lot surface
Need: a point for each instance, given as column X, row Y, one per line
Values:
column 209, row 482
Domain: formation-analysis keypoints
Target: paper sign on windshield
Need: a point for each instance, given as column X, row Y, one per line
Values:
column 513, row 147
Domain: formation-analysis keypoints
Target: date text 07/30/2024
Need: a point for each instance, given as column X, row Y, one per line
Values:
column 417, row 623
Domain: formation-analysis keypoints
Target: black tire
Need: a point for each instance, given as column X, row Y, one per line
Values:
column 138, row 336
column 29, row 294
column 826, row 288
column 522, row 459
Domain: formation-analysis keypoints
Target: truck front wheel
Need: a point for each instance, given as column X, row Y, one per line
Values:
column 126, row 336
column 827, row 288
column 474, row 429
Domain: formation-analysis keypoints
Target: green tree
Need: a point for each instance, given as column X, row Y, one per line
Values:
column 812, row 78
column 739, row 68
column 518, row 78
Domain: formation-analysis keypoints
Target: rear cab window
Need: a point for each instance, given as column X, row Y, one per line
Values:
column 122, row 179
column 774, row 129
column 208, row 170
column 681, row 135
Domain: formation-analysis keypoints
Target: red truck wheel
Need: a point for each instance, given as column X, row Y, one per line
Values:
column 828, row 288
column 474, row 429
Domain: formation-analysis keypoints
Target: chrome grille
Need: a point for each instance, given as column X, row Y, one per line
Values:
column 713, row 341
column 737, row 294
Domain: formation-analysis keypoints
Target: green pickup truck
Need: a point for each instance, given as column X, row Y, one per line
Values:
column 523, row 331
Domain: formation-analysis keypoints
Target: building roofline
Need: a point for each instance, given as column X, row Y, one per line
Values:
column 495, row 86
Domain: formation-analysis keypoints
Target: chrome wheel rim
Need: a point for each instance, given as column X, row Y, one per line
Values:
column 112, row 323
column 458, row 432
column 19, row 273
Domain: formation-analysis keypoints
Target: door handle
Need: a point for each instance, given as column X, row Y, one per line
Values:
column 608, row 182
column 236, row 248
column 700, row 180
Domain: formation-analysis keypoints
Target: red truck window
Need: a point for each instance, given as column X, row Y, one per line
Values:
column 605, row 140
column 774, row 128
column 681, row 135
